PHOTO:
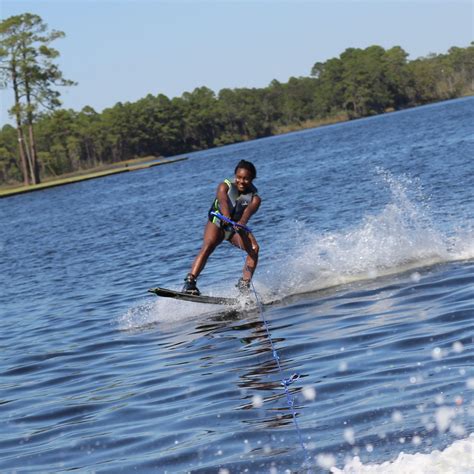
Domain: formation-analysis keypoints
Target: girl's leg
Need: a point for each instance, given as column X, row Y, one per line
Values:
column 250, row 246
column 213, row 236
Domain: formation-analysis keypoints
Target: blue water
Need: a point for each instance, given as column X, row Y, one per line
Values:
column 367, row 274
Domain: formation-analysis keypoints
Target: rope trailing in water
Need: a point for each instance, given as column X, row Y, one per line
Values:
column 285, row 382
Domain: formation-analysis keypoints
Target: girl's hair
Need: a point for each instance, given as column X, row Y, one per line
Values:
column 246, row 165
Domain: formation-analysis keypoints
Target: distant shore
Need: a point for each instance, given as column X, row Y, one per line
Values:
column 100, row 172
column 142, row 163
column 150, row 161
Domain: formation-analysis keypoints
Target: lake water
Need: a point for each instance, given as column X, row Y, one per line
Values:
column 367, row 274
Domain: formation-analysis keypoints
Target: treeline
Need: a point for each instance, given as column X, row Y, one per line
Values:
column 359, row 83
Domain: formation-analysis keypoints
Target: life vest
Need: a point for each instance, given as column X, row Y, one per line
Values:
column 238, row 201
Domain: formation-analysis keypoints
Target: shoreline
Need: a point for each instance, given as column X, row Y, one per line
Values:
column 125, row 166
column 143, row 163
column 87, row 175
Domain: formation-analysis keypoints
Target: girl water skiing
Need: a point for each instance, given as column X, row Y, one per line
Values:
column 236, row 199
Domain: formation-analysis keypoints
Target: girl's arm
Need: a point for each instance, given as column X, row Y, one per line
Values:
column 250, row 210
column 223, row 199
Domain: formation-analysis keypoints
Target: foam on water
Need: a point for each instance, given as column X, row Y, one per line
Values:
column 167, row 311
column 458, row 458
column 400, row 237
column 462, row 245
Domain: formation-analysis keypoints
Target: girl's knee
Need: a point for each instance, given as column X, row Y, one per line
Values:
column 254, row 252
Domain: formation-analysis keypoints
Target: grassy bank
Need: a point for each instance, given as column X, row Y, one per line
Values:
column 124, row 167
column 312, row 124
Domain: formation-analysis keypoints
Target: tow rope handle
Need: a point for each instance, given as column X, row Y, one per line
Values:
column 231, row 222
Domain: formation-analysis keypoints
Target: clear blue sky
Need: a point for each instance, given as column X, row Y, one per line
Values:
column 122, row 50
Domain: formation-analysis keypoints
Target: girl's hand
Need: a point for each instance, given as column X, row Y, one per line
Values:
column 239, row 229
column 242, row 223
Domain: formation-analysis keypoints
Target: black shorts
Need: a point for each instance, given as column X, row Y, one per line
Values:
column 229, row 231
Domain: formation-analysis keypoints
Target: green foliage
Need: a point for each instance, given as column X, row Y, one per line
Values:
column 360, row 82
column 27, row 65
column 25, row 45
column 9, row 166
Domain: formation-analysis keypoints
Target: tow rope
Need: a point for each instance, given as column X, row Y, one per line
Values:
column 285, row 382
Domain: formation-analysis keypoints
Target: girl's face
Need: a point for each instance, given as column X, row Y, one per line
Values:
column 243, row 179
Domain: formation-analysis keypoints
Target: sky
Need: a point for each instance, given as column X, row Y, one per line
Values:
column 123, row 50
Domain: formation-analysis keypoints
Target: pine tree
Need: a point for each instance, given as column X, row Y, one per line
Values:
column 27, row 65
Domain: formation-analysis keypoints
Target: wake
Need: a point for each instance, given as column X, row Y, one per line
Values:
column 399, row 238
column 456, row 458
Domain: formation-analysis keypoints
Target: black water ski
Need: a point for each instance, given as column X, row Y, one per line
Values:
column 178, row 295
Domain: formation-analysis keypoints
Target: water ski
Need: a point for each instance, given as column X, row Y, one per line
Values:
column 178, row 295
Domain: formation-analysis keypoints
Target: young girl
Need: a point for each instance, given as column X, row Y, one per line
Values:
column 237, row 200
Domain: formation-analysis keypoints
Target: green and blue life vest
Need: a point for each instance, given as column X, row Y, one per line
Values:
column 238, row 202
